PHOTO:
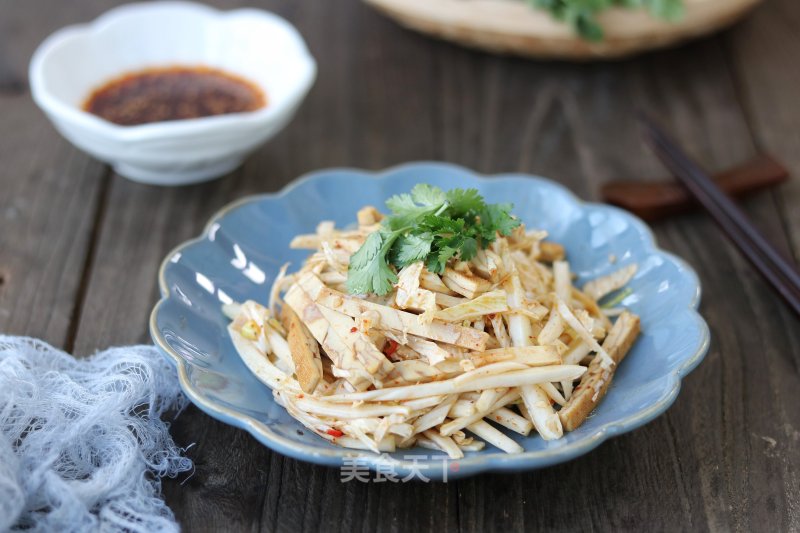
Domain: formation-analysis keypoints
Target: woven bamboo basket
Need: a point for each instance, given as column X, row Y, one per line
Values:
column 513, row 27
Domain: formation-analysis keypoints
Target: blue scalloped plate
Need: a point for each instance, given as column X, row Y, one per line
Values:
column 241, row 249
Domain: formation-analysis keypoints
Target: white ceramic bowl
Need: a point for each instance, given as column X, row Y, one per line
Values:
column 255, row 44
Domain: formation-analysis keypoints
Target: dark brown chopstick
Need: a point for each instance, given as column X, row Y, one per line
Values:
column 732, row 220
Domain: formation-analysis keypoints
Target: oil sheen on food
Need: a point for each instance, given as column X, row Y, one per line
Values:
column 173, row 93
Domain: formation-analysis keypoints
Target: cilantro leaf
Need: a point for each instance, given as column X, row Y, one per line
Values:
column 581, row 15
column 428, row 195
column 369, row 272
column 428, row 225
column 442, row 225
column 433, row 264
column 365, row 255
column 402, row 204
column 404, row 211
column 498, row 216
column 412, row 248
column 671, row 10
column 463, row 201
column 406, row 208
column 445, row 253
column 468, row 249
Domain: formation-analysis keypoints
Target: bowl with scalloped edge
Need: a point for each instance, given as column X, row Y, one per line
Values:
column 243, row 246
column 253, row 44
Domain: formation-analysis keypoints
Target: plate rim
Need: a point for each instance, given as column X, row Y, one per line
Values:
column 469, row 465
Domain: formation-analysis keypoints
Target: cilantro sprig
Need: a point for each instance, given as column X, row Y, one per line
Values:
column 582, row 14
column 428, row 225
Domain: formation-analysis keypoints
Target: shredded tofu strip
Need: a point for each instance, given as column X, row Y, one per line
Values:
column 511, row 420
column 445, row 444
column 304, row 351
column 458, row 423
column 435, row 416
column 391, row 318
column 582, row 332
column 543, row 416
column 595, row 382
column 323, row 331
column 410, row 296
column 458, row 384
column 499, row 345
column 528, row 355
column 600, row 287
column 561, row 279
column 495, row 437
column 485, row 304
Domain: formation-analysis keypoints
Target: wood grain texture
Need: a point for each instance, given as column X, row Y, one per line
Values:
column 83, row 262
column 764, row 53
column 49, row 192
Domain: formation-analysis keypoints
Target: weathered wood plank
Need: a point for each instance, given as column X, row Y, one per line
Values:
column 49, row 192
column 231, row 476
column 764, row 50
column 385, row 95
column 764, row 54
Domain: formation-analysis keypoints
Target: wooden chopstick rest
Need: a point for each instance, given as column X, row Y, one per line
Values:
column 655, row 200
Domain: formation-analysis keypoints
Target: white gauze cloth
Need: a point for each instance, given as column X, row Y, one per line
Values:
column 82, row 443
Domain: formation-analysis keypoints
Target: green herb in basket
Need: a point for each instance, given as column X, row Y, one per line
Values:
column 582, row 14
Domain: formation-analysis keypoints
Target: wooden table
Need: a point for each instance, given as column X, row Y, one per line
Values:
column 80, row 246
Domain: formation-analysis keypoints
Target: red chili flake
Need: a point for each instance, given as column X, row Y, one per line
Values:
column 334, row 432
column 390, row 348
column 300, row 396
column 353, row 329
column 491, row 316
